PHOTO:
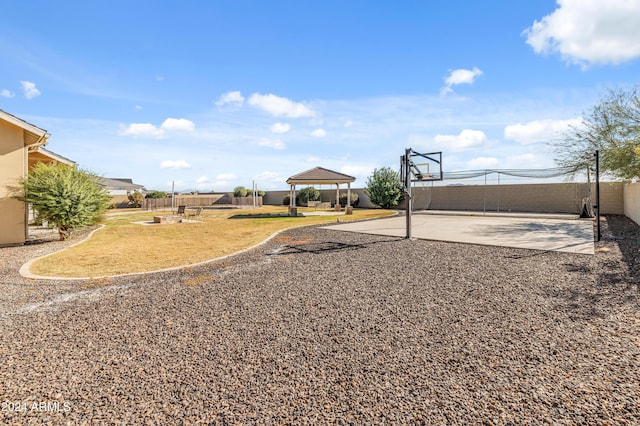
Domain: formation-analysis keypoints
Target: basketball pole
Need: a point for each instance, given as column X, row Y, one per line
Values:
column 407, row 186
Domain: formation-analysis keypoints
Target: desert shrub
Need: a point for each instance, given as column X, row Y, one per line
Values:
column 65, row 196
column 355, row 199
column 135, row 199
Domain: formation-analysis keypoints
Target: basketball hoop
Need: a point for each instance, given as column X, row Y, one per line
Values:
column 416, row 167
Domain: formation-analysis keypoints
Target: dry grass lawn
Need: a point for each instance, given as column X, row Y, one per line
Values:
column 124, row 246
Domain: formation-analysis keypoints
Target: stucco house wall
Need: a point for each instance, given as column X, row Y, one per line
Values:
column 13, row 164
column 21, row 147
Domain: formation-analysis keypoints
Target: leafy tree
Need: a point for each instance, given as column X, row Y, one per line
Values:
column 64, row 196
column 135, row 199
column 307, row 194
column 384, row 188
column 240, row 191
column 156, row 194
column 612, row 127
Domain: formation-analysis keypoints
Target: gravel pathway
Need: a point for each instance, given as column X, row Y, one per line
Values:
column 321, row 326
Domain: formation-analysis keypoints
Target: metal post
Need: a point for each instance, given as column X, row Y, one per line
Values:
column 484, row 194
column 407, row 180
column 598, row 194
column 498, row 192
column 173, row 206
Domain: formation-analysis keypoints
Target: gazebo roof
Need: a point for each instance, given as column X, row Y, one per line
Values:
column 320, row 176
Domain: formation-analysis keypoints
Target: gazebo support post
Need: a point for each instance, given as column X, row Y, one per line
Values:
column 338, row 197
column 293, row 210
column 348, row 209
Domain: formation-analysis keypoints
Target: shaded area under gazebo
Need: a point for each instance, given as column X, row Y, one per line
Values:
column 320, row 176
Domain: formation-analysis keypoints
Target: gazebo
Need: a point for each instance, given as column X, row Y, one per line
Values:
column 320, row 176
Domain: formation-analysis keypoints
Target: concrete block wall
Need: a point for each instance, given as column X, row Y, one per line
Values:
column 274, row 198
column 632, row 201
column 542, row 198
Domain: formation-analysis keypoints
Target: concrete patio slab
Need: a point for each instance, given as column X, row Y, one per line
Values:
column 531, row 232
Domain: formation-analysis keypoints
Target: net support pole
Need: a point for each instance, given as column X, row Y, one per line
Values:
column 599, row 235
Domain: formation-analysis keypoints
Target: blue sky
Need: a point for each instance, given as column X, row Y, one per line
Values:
column 215, row 94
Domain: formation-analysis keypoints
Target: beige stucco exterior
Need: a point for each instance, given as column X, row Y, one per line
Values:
column 20, row 147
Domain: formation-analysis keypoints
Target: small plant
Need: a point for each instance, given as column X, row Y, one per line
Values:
column 286, row 200
column 355, row 199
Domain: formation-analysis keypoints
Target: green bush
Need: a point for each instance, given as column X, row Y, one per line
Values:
column 240, row 191
column 156, row 194
column 64, row 196
column 307, row 194
column 384, row 188
column 355, row 199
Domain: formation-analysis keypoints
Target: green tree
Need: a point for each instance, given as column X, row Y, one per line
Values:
column 156, row 194
column 64, row 196
column 384, row 188
column 240, row 191
column 613, row 128
column 307, row 194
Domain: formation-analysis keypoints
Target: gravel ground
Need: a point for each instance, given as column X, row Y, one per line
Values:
column 320, row 326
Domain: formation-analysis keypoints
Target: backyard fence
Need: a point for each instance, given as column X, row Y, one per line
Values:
column 199, row 201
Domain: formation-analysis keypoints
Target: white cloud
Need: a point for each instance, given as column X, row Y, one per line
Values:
column 319, row 133
column 460, row 76
column 482, row 163
column 280, row 107
column 539, row 130
column 174, row 164
column 527, row 161
column 271, row 143
column 589, row 31
column 224, row 180
column 231, row 98
column 348, row 123
column 202, row 179
column 313, row 159
column 138, row 107
column 357, row 171
column 280, row 127
column 467, row 139
column 268, row 177
column 149, row 130
column 178, row 125
column 226, row 176
column 142, row 130
column 30, row 89
column 5, row 93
